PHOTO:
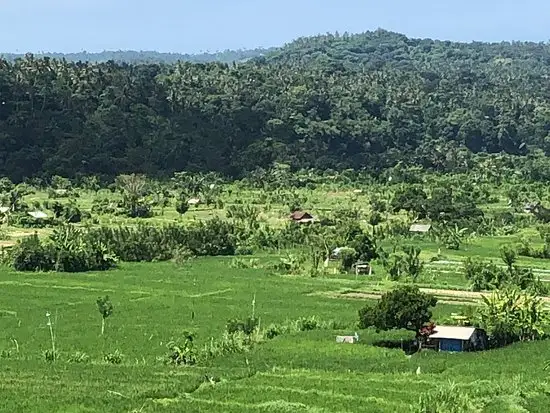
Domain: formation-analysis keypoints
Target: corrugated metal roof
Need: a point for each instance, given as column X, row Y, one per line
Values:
column 38, row 214
column 301, row 216
column 420, row 227
column 453, row 332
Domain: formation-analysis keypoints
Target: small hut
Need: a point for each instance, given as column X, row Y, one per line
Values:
column 457, row 338
column 60, row 192
column 194, row 201
column 38, row 214
column 420, row 228
column 301, row 217
column 348, row 339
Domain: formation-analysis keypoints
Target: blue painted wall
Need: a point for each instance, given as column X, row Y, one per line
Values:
column 450, row 345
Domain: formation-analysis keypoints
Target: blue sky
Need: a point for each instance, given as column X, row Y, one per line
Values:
column 188, row 26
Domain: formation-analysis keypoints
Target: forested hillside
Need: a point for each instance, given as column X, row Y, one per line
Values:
column 363, row 101
column 132, row 56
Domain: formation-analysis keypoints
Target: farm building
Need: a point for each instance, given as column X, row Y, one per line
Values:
column 38, row 214
column 420, row 228
column 453, row 338
column 301, row 217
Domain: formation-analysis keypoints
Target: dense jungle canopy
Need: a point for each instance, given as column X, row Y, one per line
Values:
column 366, row 101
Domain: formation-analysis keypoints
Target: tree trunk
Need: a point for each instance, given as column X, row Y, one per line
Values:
column 102, row 325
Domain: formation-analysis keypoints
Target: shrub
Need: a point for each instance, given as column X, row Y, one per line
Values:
column 5, row 354
column 68, row 213
column 68, row 250
column 182, row 206
column 237, row 342
column 244, row 263
column 146, row 242
column 29, row 254
column 79, row 357
column 244, row 250
column 50, row 355
column 290, row 264
column 308, row 323
column 114, row 358
column 411, row 263
column 348, row 257
column 484, row 276
column 184, row 353
column 181, row 255
column 510, row 315
column 273, row 330
column 246, row 326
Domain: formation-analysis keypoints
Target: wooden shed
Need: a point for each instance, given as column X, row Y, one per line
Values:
column 301, row 217
column 457, row 338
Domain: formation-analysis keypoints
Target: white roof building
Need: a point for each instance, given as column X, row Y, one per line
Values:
column 38, row 214
column 423, row 228
column 453, row 332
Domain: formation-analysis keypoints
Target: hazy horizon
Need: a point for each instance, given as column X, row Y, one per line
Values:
column 171, row 26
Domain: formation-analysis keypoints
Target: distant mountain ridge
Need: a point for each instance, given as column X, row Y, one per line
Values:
column 368, row 50
column 132, row 56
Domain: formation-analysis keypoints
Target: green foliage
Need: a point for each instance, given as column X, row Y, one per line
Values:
column 484, row 276
column 79, row 357
column 413, row 266
column 411, row 198
column 146, row 242
column 6, row 185
column 348, row 257
column 510, row 315
column 447, row 399
column 182, row 206
column 105, row 306
column 135, row 189
column 405, row 307
column 68, row 250
column 364, row 245
column 184, row 353
column 405, row 262
column 487, row 276
column 51, row 355
column 247, row 326
column 370, row 75
column 508, row 255
column 113, row 358
column 290, row 264
column 452, row 236
column 68, row 213
column 30, row 254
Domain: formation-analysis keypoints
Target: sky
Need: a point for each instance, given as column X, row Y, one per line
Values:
column 193, row 26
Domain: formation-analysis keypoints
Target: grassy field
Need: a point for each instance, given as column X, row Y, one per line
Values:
column 155, row 302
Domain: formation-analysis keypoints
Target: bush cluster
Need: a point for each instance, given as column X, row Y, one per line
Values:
column 487, row 276
column 146, row 242
column 67, row 250
column 72, row 250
